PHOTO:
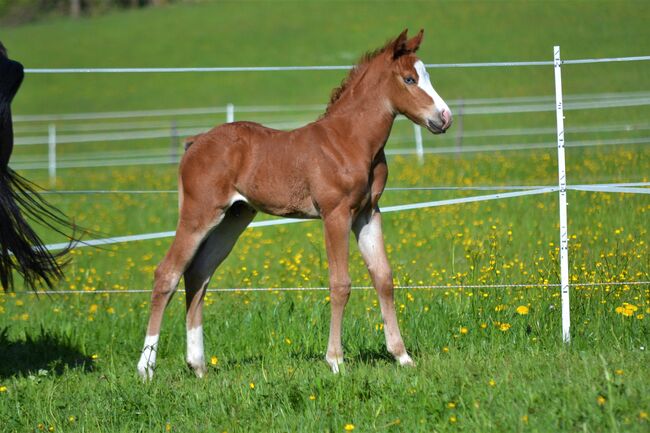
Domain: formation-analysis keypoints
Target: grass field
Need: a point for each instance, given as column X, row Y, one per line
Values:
column 488, row 359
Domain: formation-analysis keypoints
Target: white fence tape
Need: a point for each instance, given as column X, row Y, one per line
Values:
column 317, row 68
column 596, row 188
column 387, row 209
column 528, row 190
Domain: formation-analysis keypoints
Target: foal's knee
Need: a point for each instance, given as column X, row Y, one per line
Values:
column 384, row 282
column 165, row 282
column 340, row 291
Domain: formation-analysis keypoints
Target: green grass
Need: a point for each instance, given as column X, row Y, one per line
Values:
column 67, row 362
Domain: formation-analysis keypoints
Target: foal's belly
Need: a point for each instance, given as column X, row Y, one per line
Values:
column 280, row 205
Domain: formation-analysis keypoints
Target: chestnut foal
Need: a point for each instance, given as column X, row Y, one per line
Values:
column 333, row 168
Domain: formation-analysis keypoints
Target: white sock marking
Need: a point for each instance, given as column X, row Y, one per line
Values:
column 405, row 359
column 195, row 351
column 148, row 358
column 334, row 363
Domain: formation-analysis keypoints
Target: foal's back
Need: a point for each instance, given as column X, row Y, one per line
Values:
column 270, row 169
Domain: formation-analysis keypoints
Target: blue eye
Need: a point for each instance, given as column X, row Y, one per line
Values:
column 409, row 80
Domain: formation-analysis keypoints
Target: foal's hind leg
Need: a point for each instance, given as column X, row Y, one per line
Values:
column 192, row 229
column 367, row 229
column 211, row 253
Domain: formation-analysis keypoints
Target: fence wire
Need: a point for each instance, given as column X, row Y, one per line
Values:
column 238, row 290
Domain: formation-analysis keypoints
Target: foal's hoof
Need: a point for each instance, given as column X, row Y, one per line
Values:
column 199, row 369
column 145, row 372
column 405, row 360
column 336, row 364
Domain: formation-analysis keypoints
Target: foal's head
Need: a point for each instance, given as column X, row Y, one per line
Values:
column 410, row 90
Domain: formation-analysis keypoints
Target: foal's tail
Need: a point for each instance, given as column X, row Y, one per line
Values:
column 186, row 145
column 20, row 247
column 190, row 140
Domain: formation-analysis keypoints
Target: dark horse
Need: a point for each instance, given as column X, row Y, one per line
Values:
column 333, row 169
column 20, row 247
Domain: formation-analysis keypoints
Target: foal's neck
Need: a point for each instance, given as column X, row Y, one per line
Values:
column 363, row 118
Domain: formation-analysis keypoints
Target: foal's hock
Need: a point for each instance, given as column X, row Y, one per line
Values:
column 333, row 169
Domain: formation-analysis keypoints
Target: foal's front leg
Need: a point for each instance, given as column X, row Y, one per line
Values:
column 367, row 229
column 337, row 238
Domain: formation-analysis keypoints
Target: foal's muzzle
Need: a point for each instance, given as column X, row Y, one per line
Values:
column 443, row 122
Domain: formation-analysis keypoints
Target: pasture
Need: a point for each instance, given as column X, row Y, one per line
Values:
column 489, row 358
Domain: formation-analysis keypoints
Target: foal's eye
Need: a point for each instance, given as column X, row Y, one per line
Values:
column 409, row 80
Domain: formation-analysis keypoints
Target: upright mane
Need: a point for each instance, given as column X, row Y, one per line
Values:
column 361, row 65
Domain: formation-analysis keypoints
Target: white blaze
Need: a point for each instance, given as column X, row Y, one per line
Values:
column 424, row 83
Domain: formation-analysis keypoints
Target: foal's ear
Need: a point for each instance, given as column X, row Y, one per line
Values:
column 413, row 44
column 403, row 45
column 399, row 44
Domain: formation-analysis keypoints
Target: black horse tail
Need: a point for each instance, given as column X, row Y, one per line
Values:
column 20, row 247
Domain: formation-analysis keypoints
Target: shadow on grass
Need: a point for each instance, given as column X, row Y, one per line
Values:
column 46, row 351
column 364, row 356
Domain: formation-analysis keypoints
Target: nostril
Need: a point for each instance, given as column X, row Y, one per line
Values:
column 446, row 117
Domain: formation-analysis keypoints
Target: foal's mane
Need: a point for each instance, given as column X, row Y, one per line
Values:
column 356, row 71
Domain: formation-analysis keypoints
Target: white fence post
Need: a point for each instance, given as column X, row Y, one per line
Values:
column 458, row 126
column 173, row 154
column 564, row 233
column 51, row 154
column 230, row 113
column 417, row 131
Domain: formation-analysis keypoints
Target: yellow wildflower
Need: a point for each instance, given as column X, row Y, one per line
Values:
column 453, row 419
column 251, row 385
column 451, row 405
column 601, row 400
column 463, row 330
column 3, row 388
column 522, row 309
column 349, row 427
column 214, row 360
column 504, row 327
